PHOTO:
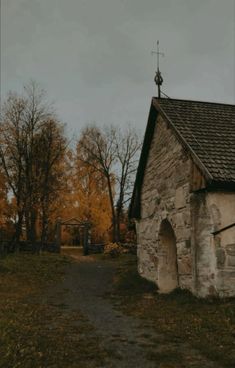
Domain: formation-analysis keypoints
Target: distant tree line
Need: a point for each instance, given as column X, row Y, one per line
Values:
column 43, row 178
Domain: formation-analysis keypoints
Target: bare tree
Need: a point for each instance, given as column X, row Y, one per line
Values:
column 114, row 154
column 36, row 114
column 12, row 143
column 51, row 147
column 97, row 149
column 31, row 143
column 128, row 147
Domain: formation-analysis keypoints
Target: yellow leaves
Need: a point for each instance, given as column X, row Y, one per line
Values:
column 114, row 249
column 86, row 197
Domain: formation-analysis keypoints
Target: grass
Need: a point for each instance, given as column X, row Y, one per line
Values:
column 36, row 333
column 205, row 325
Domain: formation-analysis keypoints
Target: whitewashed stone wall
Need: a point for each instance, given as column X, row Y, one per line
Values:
column 165, row 194
column 215, row 254
column 202, row 246
column 206, row 262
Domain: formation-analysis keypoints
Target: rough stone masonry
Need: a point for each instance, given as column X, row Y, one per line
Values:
column 180, row 217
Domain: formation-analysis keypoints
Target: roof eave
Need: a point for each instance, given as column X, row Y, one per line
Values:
column 135, row 208
column 219, row 185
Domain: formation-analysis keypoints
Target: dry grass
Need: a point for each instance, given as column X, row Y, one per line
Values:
column 34, row 332
column 207, row 325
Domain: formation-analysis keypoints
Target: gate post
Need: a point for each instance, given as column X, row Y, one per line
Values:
column 85, row 240
column 58, row 234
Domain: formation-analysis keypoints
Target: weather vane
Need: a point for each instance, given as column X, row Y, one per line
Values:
column 158, row 77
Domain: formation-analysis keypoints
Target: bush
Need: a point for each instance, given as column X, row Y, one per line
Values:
column 114, row 249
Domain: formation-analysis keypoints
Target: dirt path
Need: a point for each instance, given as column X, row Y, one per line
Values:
column 128, row 341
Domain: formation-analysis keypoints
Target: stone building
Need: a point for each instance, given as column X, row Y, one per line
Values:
column 184, row 197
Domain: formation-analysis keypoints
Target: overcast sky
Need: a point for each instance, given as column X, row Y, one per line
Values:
column 93, row 57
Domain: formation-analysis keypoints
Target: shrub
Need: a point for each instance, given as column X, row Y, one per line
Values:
column 114, row 249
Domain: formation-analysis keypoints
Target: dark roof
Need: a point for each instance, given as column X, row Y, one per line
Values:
column 206, row 129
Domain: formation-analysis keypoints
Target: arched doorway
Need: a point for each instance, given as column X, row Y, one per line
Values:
column 168, row 278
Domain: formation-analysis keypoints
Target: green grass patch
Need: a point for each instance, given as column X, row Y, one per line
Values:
column 36, row 333
column 207, row 325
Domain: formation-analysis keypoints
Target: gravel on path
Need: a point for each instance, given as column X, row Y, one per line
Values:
column 130, row 342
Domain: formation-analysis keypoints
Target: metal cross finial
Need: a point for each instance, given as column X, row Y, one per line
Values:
column 158, row 77
column 158, row 53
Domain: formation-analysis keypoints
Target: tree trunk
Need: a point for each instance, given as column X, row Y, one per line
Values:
column 44, row 232
column 18, row 231
column 31, row 219
column 118, row 220
column 33, row 235
column 27, row 225
column 119, row 213
column 114, row 220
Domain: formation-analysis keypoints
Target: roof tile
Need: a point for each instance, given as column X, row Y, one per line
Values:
column 209, row 130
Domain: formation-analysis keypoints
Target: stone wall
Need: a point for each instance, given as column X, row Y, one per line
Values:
column 165, row 195
column 203, row 254
column 214, row 254
column 205, row 260
column 222, row 211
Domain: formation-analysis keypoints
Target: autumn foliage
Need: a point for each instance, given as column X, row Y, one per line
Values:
column 43, row 179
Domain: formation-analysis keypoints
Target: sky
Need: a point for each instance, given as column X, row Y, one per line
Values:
column 93, row 57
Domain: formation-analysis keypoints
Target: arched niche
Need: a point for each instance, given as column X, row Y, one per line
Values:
column 168, row 278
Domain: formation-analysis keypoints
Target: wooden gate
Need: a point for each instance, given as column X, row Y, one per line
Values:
column 84, row 226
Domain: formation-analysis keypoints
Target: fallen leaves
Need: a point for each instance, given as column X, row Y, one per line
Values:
column 207, row 325
column 34, row 332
